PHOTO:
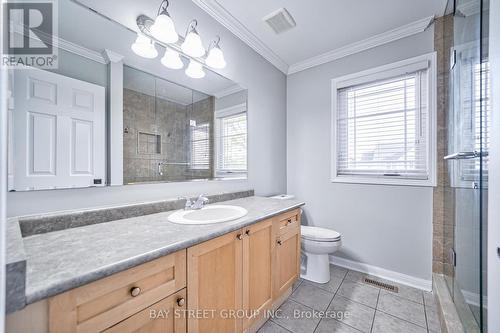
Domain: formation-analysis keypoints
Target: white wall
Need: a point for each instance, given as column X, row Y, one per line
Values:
column 494, row 175
column 266, row 125
column 385, row 226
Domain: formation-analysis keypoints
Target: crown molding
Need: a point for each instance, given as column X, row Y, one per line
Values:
column 80, row 50
column 66, row 45
column 228, row 91
column 365, row 44
column 220, row 14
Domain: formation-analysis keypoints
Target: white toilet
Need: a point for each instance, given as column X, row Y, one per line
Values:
column 317, row 243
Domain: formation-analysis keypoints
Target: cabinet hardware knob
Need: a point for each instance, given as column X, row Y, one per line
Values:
column 279, row 242
column 135, row 291
column 289, row 221
column 239, row 236
column 181, row 301
column 247, row 232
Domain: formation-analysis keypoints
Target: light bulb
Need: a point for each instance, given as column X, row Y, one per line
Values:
column 215, row 58
column 172, row 60
column 192, row 45
column 144, row 47
column 195, row 70
column 163, row 29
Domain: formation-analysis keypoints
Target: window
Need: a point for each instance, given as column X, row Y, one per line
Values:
column 200, row 146
column 231, row 141
column 383, row 121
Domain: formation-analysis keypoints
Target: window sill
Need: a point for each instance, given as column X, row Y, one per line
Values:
column 383, row 181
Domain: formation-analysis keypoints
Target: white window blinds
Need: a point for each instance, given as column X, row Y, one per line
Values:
column 232, row 152
column 383, row 128
column 475, row 111
column 200, row 146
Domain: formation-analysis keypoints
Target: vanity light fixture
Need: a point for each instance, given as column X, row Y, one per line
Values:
column 144, row 47
column 192, row 44
column 172, row 60
column 195, row 70
column 215, row 58
column 162, row 31
column 163, row 28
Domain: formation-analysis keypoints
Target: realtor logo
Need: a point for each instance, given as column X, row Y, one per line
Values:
column 30, row 34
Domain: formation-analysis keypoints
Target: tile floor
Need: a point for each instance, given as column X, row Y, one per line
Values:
column 370, row 309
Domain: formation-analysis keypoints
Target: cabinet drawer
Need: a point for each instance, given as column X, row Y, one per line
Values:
column 102, row 304
column 288, row 222
column 166, row 316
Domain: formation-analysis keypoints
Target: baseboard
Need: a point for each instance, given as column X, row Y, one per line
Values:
column 383, row 273
column 473, row 298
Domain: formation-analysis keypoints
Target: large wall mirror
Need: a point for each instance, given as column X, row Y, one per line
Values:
column 106, row 116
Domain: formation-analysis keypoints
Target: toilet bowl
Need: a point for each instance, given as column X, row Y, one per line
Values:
column 317, row 243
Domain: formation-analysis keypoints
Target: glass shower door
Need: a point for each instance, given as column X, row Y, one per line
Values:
column 466, row 193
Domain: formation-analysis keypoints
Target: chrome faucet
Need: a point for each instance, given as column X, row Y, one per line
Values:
column 198, row 204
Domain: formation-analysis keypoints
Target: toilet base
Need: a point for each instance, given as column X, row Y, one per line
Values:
column 317, row 268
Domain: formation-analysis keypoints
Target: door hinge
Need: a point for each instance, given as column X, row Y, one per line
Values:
column 98, row 181
column 453, row 59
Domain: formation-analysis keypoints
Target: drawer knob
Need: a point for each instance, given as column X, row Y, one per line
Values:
column 289, row 221
column 239, row 236
column 181, row 301
column 247, row 232
column 135, row 291
column 279, row 242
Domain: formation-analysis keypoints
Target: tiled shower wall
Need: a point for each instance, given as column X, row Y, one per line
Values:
column 443, row 214
column 156, row 131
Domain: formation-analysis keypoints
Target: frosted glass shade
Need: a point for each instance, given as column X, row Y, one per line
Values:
column 192, row 45
column 172, row 60
column 164, row 30
column 195, row 70
column 215, row 58
column 144, row 47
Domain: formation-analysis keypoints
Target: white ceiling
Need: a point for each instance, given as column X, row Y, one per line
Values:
column 325, row 25
column 322, row 25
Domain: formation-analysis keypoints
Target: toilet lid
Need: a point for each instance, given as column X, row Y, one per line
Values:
column 319, row 234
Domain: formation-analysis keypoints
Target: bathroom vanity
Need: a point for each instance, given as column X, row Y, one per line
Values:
column 147, row 274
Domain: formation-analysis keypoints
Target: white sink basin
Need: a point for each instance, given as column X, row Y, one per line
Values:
column 208, row 214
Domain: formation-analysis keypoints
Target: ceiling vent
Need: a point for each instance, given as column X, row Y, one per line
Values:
column 280, row 20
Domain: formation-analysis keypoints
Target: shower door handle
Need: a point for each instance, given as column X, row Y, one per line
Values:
column 466, row 155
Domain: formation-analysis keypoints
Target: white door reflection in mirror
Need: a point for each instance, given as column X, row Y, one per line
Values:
column 58, row 128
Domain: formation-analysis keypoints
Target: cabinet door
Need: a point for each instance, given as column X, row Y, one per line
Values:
column 215, row 285
column 258, row 265
column 287, row 260
column 166, row 316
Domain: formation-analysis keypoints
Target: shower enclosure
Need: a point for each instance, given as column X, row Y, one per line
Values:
column 465, row 195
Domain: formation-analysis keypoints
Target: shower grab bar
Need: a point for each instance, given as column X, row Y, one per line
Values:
column 466, row 155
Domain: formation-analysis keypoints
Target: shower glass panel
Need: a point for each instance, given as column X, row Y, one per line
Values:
column 467, row 163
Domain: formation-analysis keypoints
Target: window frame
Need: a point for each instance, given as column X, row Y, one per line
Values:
column 223, row 113
column 381, row 73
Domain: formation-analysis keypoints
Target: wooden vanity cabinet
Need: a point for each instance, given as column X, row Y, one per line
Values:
column 223, row 285
column 245, row 272
column 287, row 269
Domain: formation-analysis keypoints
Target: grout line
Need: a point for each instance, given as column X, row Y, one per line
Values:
column 334, row 294
column 390, row 314
column 376, row 306
column 286, row 329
